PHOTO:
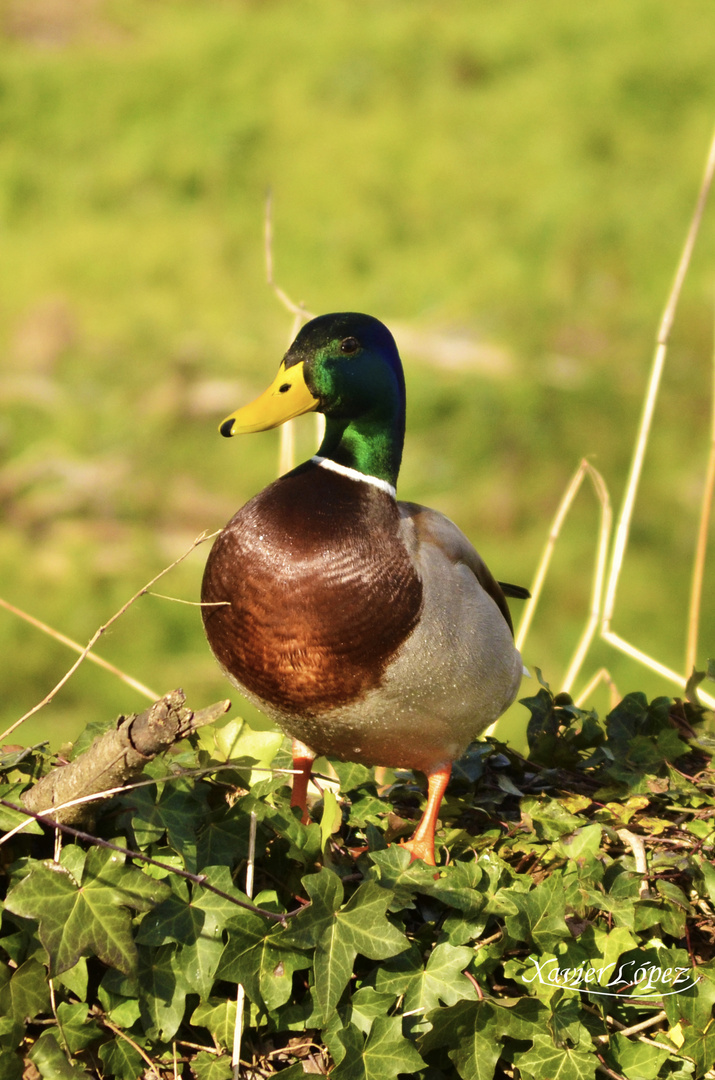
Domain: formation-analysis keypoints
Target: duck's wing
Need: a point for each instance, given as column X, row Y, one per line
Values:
column 428, row 526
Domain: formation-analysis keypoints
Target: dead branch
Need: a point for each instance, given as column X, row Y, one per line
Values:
column 117, row 757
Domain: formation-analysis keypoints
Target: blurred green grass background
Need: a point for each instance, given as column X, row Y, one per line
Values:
column 507, row 185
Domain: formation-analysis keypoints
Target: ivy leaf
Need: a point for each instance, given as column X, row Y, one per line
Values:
column 262, row 959
column 441, row 979
column 182, row 807
column 381, row 1056
column 207, row 1066
column 341, row 932
column 549, row 818
column 223, row 838
column 26, row 994
column 473, row 1030
column 196, row 925
column 161, row 993
column 11, row 1065
column 610, row 946
column 692, row 1008
column 121, row 1059
column 461, row 886
column 398, row 873
column 12, row 1032
column 582, row 843
column 248, row 747
column 118, row 996
column 541, row 917
column 50, row 1060
column 565, row 1022
column 10, row 818
column 637, row 1060
column 366, row 1005
column 174, row 919
column 352, row 775
column 76, row 979
column 332, row 815
column 700, row 1046
column 225, row 738
column 87, row 919
column 545, row 1061
column 218, row 1016
column 457, row 886
column 76, row 1028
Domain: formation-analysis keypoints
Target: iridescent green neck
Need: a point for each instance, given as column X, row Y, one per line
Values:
column 370, row 444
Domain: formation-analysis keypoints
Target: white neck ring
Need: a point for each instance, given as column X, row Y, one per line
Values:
column 353, row 474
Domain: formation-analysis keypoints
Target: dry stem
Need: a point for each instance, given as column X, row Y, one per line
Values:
column 240, row 989
column 585, row 469
column 696, row 589
column 602, row 675
column 624, row 521
column 599, row 575
column 98, row 633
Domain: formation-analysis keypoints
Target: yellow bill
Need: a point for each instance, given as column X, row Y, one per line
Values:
column 286, row 397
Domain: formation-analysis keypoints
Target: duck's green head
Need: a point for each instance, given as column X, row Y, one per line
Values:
column 346, row 366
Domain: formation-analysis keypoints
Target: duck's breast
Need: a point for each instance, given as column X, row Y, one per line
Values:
column 309, row 593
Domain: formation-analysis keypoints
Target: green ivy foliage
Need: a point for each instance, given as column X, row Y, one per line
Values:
column 569, row 930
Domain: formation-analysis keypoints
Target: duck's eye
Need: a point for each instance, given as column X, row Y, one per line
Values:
column 349, row 345
column 284, row 388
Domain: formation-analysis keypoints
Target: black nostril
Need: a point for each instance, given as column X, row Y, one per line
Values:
column 226, row 428
column 282, row 389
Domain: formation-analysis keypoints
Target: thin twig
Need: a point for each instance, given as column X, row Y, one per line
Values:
column 602, row 1067
column 585, row 469
column 286, row 452
column 122, row 1035
column 53, row 1006
column 635, row 1028
column 64, row 640
column 624, row 521
column 98, row 633
column 635, row 843
column 602, row 675
column 599, row 576
column 199, row 1046
column 489, row 940
column 240, row 989
column 195, row 879
column 648, row 661
column 696, row 588
column 181, row 774
column 542, row 569
column 295, row 309
column 191, row 603
column 475, row 984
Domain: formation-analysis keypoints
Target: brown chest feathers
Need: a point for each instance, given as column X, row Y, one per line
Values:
column 322, row 592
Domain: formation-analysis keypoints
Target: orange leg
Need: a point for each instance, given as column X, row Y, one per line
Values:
column 421, row 846
column 303, row 759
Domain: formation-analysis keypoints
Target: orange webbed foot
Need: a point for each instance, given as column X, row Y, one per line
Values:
column 421, row 846
column 423, row 849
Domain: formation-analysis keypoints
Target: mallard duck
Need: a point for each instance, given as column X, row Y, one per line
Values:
column 369, row 629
